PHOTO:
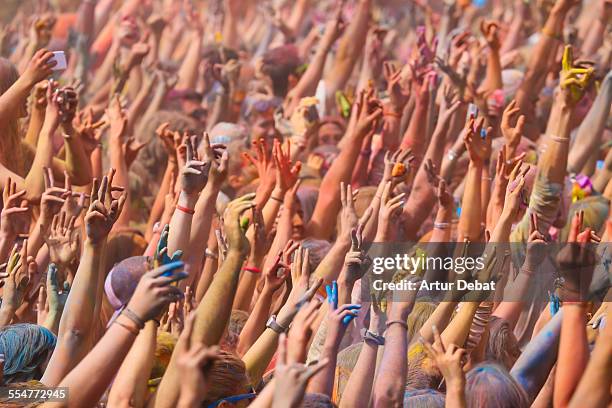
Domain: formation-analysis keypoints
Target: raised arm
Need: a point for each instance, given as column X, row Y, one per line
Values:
column 74, row 337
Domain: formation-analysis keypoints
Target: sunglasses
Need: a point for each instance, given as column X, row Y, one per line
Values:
column 232, row 399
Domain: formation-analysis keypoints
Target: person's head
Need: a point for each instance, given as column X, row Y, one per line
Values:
column 317, row 400
column 490, row 385
column 280, row 66
column 238, row 319
column 330, row 130
column 229, row 385
column 422, row 372
column 423, row 398
column 502, row 345
column 420, row 313
column 163, row 351
column 317, row 249
column 347, row 359
column 8, row 76
column 27, row 349
column 123, row 278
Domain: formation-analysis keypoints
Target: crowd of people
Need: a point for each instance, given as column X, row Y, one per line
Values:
column 193, row 192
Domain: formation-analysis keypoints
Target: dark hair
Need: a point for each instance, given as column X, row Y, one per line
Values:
column 279, row 63
column 26, row 348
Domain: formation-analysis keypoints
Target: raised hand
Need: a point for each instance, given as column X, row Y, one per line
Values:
column 218, row 157
column 15, row 280
column 67, row 100
column 478, row 142
column 301, row 291
column 574, row 78
column 397, row 87
column 536, row 246
column 264, row 163
column 286, row 173
column 389, row 212
column 356, row 261
column 40, row 67
column 195, row 362
column 369, row 114
column 14, row 214
column 171, row 140
column 512, row 127
column 276, row 275
column 155, row 291
column 56, row 296
column 338, row 317
column 445, row 198
column 397, row 166
column 194, row 174
column 88, row 130
column 161, row 256
column 292, row 377
column 515, row 194
column 53, row 198
column 449, row 360
column 131, row 147
column 490, row 31
column 302, row 330
column 117, row 119
column 104, row 208
column 236, row 238
column 62, row 241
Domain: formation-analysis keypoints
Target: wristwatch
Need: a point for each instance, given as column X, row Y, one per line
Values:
column 271, row 324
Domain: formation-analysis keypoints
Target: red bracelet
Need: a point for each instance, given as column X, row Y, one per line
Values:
column 185, row 210
column 388, row 112
column 252, row 269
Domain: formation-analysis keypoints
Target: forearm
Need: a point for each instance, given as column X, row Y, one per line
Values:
column 200, row 228
column 152, row 108
column 328, row 204
column 493, row 78
column 35, row 126
column 358, row 389
column 259, row 355
column 307, row 84
column 593, row 389
column 439, row 318
column 323, row 381
column 180, row 224
column 208, row 326
column 350, row 48
column 534, row 364
column 471, row 214
column 415, row 137
column 591, row 129
column 330, row 265
column 157, row 209
column 573, row 354
column 137, row 108
column 188, row 73
column 43, row 157
column 231, row 37
column 130, row 385
column 256, row 323
column 88, row 381
column 389, row 386
column 117, row 162
column 77, row 318
column 458, row 329
column 455, row 395
column 553, row 165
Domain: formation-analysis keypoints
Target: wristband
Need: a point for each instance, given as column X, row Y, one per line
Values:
column 365, row 153
column 552, row 35
column 451, row 155
column 400, row 322
column 133, row 317
column 373, row 338
column 185, row 209
column 276, row 199
column 252, row 269
column 210, row 254
column 392, row 113
column 128, row 328
column 272, row 324
column 557, row 139
column 441, row 225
